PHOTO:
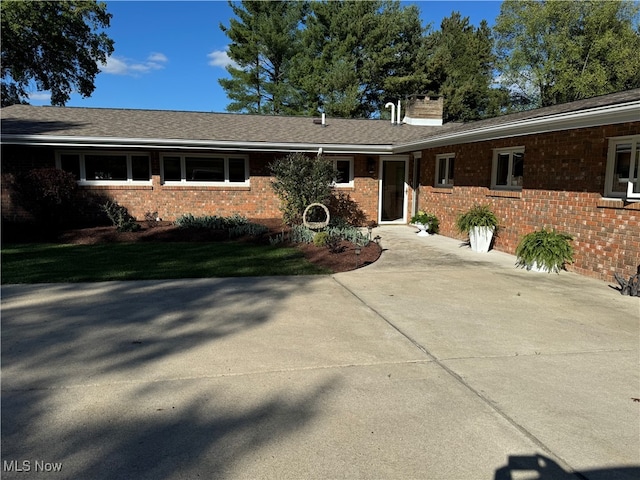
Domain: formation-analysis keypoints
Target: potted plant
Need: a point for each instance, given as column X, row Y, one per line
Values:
column 480, row 223
column 426, row 222
column 544, row 251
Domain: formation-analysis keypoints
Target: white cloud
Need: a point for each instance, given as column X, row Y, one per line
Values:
column 125, row 66
column 40, row 96
column 158, row 58
column 220, row 58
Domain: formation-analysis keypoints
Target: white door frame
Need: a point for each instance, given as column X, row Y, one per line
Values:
column 395, row 158
column 417, row 158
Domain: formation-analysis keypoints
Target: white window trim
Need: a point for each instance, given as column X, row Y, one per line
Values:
column 183, row 171
column 351, row 171
column 611, row 153
column 448, row 157
column 494, row 167
column 83, row 171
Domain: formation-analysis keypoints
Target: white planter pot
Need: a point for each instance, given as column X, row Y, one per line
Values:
column 541, row 269
column 480, row 238
column 424, row 229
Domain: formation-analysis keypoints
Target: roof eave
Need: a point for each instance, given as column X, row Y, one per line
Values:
column 611, row 114
column 178, row 144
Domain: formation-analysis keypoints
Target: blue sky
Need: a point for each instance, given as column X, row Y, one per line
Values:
column 169, row 55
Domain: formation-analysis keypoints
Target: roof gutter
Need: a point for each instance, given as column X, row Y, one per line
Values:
column 178, row 144
column 592, row 117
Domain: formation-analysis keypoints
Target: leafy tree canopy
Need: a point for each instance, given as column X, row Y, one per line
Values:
column 555, row 52
column 55, row 44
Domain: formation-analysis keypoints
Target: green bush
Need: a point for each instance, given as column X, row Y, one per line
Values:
column 250, row 229
column 120, row 217
column 49, row 194
column 301, row 234
column 236, row 225
column 334, row 243
column 210, row 222
column 350, row 234
column 320, row 239
column 301, row 180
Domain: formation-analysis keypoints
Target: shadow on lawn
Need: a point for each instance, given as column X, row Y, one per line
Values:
column 132, row 343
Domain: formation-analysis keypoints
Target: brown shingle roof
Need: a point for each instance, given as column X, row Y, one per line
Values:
column 162, row 124
column 150, row 125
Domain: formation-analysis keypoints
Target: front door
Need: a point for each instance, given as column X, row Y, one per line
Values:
column 393, row 190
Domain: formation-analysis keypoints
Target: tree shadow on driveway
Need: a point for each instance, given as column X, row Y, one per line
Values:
column 110, row 378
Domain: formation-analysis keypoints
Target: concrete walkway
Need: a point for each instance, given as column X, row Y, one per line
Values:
column 432, row 363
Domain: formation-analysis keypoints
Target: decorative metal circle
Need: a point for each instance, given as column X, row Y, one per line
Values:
column 315, row 225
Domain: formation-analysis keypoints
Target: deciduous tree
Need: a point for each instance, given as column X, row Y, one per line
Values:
column 555, row 52
column 52, row 45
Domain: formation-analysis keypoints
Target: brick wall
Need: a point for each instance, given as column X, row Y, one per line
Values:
column 255, row 201
column 564, row 178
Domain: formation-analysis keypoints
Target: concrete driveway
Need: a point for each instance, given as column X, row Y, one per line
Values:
column 432, row 363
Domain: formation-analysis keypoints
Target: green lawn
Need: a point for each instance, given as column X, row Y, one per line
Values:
column 43, row 263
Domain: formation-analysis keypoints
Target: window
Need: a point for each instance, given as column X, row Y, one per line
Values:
column 623, row 162
column 508, row 168
column 205, row 170
column 105, row 167
column 344, row 167
column 444, row 170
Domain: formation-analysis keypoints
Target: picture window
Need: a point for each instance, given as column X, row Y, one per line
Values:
column 204, row 170
column 106, row 168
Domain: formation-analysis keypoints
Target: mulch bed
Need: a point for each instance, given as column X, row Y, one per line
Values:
column 342, row 261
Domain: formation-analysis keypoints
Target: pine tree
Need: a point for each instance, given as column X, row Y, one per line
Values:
column 356, row 56
column 458, row 62
column 264, row 39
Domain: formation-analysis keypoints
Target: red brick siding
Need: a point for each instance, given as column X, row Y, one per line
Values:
column 564, row 177
column 255, row 201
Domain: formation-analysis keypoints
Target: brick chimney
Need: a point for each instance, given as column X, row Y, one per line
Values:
column 424, row 110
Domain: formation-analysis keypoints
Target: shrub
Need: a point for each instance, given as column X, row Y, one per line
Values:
column 301, row 180
column 350, row 234
column 151, row 218
column 211, row 222
column 333, row 243
column 236, row 225
column 301, row 234
column 250, row 229
column 49, row 194
column 342, row 206
column 120, row 217
column 320, row 239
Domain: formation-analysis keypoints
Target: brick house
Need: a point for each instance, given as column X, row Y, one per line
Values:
column 573, row 167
